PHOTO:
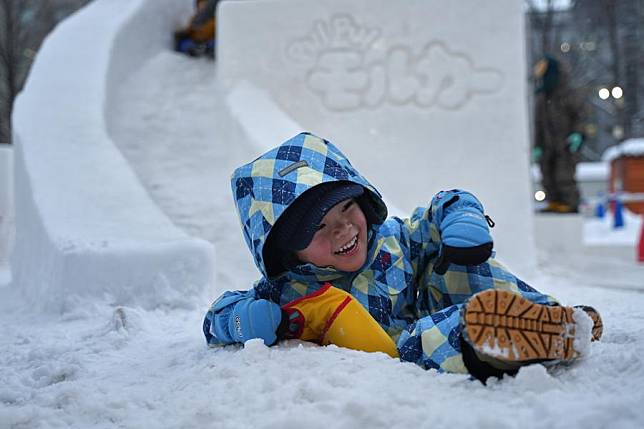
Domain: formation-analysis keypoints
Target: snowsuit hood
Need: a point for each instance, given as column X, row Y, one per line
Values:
column 264, row 188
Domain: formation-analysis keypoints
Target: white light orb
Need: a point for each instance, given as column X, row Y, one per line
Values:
column 539, row 195
column 604, row 93
column 617, row 92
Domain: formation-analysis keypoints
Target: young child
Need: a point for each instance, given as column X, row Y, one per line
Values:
column 336, row 270
column 198, row 37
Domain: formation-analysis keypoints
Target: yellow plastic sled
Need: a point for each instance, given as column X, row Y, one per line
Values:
column 332, row 316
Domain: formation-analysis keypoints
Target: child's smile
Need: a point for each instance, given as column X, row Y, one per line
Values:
column 349, row 248
column 340, row 241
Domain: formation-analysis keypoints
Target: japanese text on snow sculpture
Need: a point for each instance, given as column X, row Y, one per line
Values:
column 347, row 72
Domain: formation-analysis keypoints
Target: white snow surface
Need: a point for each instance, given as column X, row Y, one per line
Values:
column 602, row 231
column 584, row 171
column 101, row 365
column 630, row 147
column 109, row 367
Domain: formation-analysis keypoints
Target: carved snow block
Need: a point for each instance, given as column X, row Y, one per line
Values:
column 6, row 201
column 422, row 95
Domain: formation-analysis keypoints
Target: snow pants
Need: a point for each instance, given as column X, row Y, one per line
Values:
column 434, row 340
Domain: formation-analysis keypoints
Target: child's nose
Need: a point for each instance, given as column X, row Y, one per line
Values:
column 342, row 226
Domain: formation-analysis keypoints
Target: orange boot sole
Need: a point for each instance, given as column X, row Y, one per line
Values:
column 506, row 326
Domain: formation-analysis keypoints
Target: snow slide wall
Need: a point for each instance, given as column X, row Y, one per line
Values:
column 6, row 201
column 422, row 95
column 85, row 227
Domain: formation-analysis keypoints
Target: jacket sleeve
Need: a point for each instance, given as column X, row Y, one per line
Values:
column 422, row 232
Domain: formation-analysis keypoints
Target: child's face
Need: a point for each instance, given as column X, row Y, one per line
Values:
column 341, row 240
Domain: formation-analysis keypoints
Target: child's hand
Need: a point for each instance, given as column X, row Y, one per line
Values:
column 466, row 239
column 255, row 319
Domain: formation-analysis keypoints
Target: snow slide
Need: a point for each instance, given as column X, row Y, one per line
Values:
column 85, row 226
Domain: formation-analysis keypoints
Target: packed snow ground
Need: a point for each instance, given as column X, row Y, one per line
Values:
column 101, row 366
column 106, row 367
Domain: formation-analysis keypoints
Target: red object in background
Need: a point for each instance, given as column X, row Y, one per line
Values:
column 627, row 175
column 640, row 246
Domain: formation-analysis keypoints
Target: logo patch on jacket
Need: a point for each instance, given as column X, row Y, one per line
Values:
column 238, row 328
column 284, row 171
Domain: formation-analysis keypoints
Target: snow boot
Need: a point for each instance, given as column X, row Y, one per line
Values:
column 505, row 326
column 598, row 325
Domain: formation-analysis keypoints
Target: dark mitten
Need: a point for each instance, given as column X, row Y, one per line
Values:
column 465, row 236
column 462, row 256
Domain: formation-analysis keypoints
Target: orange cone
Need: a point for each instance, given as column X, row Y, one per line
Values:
column 640, row 246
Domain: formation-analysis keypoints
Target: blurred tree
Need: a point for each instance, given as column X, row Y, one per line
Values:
column 23, row 26
column 541, row 15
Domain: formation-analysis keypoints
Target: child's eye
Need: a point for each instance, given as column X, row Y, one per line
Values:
column 348, row 205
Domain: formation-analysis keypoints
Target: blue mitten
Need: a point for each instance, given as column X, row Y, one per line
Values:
column 465, row 235
column 255, row 318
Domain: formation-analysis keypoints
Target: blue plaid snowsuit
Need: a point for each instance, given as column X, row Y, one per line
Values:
column 418, row 308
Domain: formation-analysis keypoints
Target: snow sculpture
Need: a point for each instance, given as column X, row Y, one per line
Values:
column 341, row 76
column 6, row 201
column 85, row 227
column 423, row 96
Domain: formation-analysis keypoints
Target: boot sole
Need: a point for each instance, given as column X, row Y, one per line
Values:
column 598, row 324
column 506, row 326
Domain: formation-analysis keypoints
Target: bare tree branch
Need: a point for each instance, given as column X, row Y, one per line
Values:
column 23, row 26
